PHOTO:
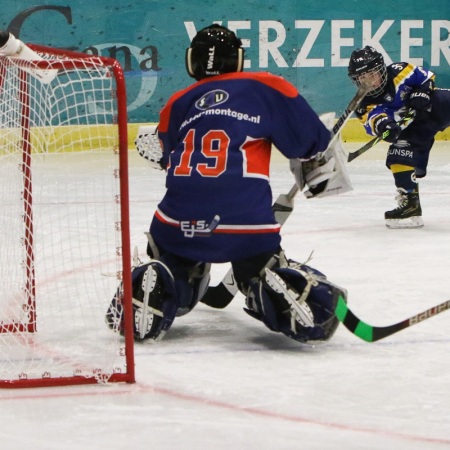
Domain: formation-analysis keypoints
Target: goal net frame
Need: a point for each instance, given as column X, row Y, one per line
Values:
column 55, row 62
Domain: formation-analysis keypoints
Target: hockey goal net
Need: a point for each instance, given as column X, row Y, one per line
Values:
column 64, row 242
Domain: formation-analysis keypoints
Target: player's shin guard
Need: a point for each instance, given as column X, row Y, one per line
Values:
column 297, row 301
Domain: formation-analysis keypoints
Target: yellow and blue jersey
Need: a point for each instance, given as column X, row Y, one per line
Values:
column 403, row 78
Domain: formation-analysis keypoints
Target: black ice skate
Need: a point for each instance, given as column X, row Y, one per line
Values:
column 408, row 214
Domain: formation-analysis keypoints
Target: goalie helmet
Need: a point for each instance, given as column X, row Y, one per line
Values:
column 214, row 50
column 367, row 66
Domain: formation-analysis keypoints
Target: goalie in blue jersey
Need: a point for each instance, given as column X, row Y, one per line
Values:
column 216, row 138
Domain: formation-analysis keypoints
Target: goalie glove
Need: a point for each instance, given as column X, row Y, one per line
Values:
column 149, row 147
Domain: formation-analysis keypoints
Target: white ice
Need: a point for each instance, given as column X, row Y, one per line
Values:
column 221, row 380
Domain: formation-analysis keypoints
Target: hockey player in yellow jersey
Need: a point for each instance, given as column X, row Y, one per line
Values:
column 397, row 89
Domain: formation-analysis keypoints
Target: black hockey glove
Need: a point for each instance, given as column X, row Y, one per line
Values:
column 420, row 100
column 388, row 129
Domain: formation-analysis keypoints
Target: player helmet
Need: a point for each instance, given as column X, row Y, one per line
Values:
column 213, row 51
column 367, row 65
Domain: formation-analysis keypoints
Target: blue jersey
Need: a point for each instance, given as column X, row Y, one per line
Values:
column 402, row 79
column 217, row 137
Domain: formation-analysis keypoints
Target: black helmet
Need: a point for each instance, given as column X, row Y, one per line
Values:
column 214, row 50
column 368, row 61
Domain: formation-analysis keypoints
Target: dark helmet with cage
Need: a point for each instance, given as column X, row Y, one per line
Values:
column 214, row 50
column 368, row 65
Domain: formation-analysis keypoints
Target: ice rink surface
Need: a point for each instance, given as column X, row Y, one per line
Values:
column 221, row 380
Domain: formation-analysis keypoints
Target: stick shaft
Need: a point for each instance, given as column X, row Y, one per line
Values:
column 371, row 333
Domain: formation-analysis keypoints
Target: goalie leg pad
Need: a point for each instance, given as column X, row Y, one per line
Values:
column 191, row 279
column 297, row 301
column 154, row 302
column 190, row 291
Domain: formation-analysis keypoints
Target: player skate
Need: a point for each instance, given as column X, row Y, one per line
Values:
column 408, row 214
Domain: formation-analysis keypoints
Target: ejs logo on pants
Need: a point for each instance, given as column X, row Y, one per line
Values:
column 190, row 227
column 197, row 228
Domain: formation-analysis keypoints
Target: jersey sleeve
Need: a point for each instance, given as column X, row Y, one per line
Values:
column 416, row 77
column 165, row 135
column 296, row 129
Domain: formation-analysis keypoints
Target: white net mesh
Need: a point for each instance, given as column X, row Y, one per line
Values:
column 61, row 241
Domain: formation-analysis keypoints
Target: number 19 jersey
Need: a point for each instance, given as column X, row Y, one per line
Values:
column 217, row 137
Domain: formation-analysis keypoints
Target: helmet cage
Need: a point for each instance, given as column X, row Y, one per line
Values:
column 367, row 67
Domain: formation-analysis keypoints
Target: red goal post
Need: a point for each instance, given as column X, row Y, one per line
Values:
column 65, row 241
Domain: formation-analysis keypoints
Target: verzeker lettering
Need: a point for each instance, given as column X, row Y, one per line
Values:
column 433, row 38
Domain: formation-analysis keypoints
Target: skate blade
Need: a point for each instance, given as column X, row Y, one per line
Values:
column 410, row 222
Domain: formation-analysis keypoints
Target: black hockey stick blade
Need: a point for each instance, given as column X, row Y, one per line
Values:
column 370, row 333
column 221, row 295
column 403, row 121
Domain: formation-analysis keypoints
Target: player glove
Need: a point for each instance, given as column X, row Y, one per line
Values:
column 148, row 146
column 420, row 100
column 387, row 128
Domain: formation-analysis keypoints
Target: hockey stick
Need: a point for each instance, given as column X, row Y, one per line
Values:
column 370, row 333
column 221, row 295
column 403, row 121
